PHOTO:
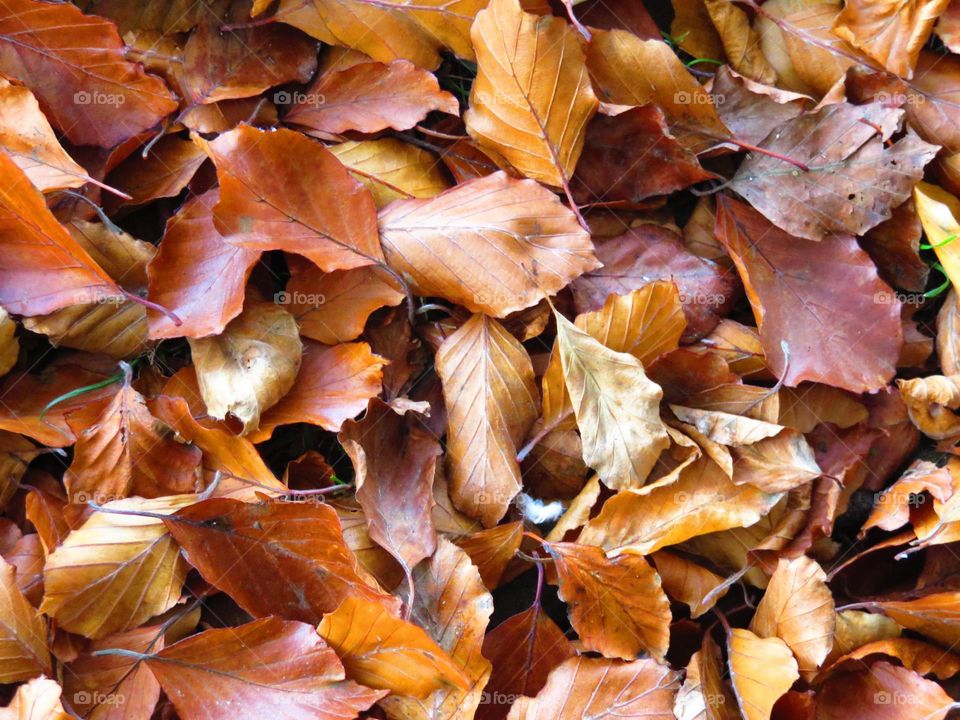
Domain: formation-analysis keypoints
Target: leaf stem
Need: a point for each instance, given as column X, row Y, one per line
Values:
column 771, row 153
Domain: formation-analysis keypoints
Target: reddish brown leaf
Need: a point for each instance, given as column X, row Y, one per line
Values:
column 793, row 286
column 273, row 558
column 370, row 97
column 266, row 666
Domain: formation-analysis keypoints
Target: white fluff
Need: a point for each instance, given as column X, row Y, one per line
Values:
column 537, row 511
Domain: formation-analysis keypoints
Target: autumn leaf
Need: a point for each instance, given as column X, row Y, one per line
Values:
column 798, row 608
column 331, row 222
column 58, row 272
column 527, row 243
column 790, row 281
column 238, row 546
column 587, row 687
column 88, row 79
column 616, row 605
column 370, row 97
column 371, row 643
column 491, row 403
column 532, row 98
column 251, row 365
column 38, row 699
column 615, row 405
column 262, row 665
column 23, row 641
column 395, row 460
column 117, row 570
column 761, row 670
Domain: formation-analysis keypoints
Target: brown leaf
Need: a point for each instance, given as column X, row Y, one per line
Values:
column 322, row 214
column 193, row 258
column 368, row 98
column 243, row 62
column 91, row 93
column 394, row 459
column 491, row 402
column 23, row 632
column 115, row 687
column 493, row 245
column 382, row 651
column 333, row 385
column 392, row 170
column 798, row 608
column 689, row 583
column 26, row 135
column 792, row 286
column 523, row 650
column 594, row 687
column 616, row 605
column 334, row 307
column 492, row 549
column 885, row 692
column 702, row 500
column 853, row 181
column 262, row 666
column 532, row 99
column 629, row 71
column 116, row 570
column 740, row 41
column 936, row 615
column 630, row 157
column 647, row 253
column 57, row 271
column 761, row 670
column 239, row 546
column 123, row 450
column 892, row 32
column 111, row 326
column 166, row 171
column 751, row 109
column 245, row 370
column 454, row 608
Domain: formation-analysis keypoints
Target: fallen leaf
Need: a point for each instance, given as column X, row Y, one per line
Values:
column 373, row 644
column 891, row 32
column 761, row 670
column 798, row 608
column 330, row 221
column 616, row 406
column 38, row 699
column 532, row 99
column 392, row 170
column 493, row 245
column 87, row 81
column 262, row 666
column 333, row 385
column 593, row 687
column 250, row 366
column 117, row 570
column 193, row 259
column 791, row 283
column 368, row 98
column 616, row 605
column 394, row 459
column 23, row 638
column 491, row 402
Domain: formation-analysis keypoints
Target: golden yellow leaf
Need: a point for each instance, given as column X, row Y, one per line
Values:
column 382, row 651
column 392, row 170
column 23, row 632
column 798, row 608
column 491, row 401
column 761, row 669
column 616, row 405
column 531, row 100
column 115, row 571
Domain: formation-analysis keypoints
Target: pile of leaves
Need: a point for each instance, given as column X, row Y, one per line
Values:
column 487, row 359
